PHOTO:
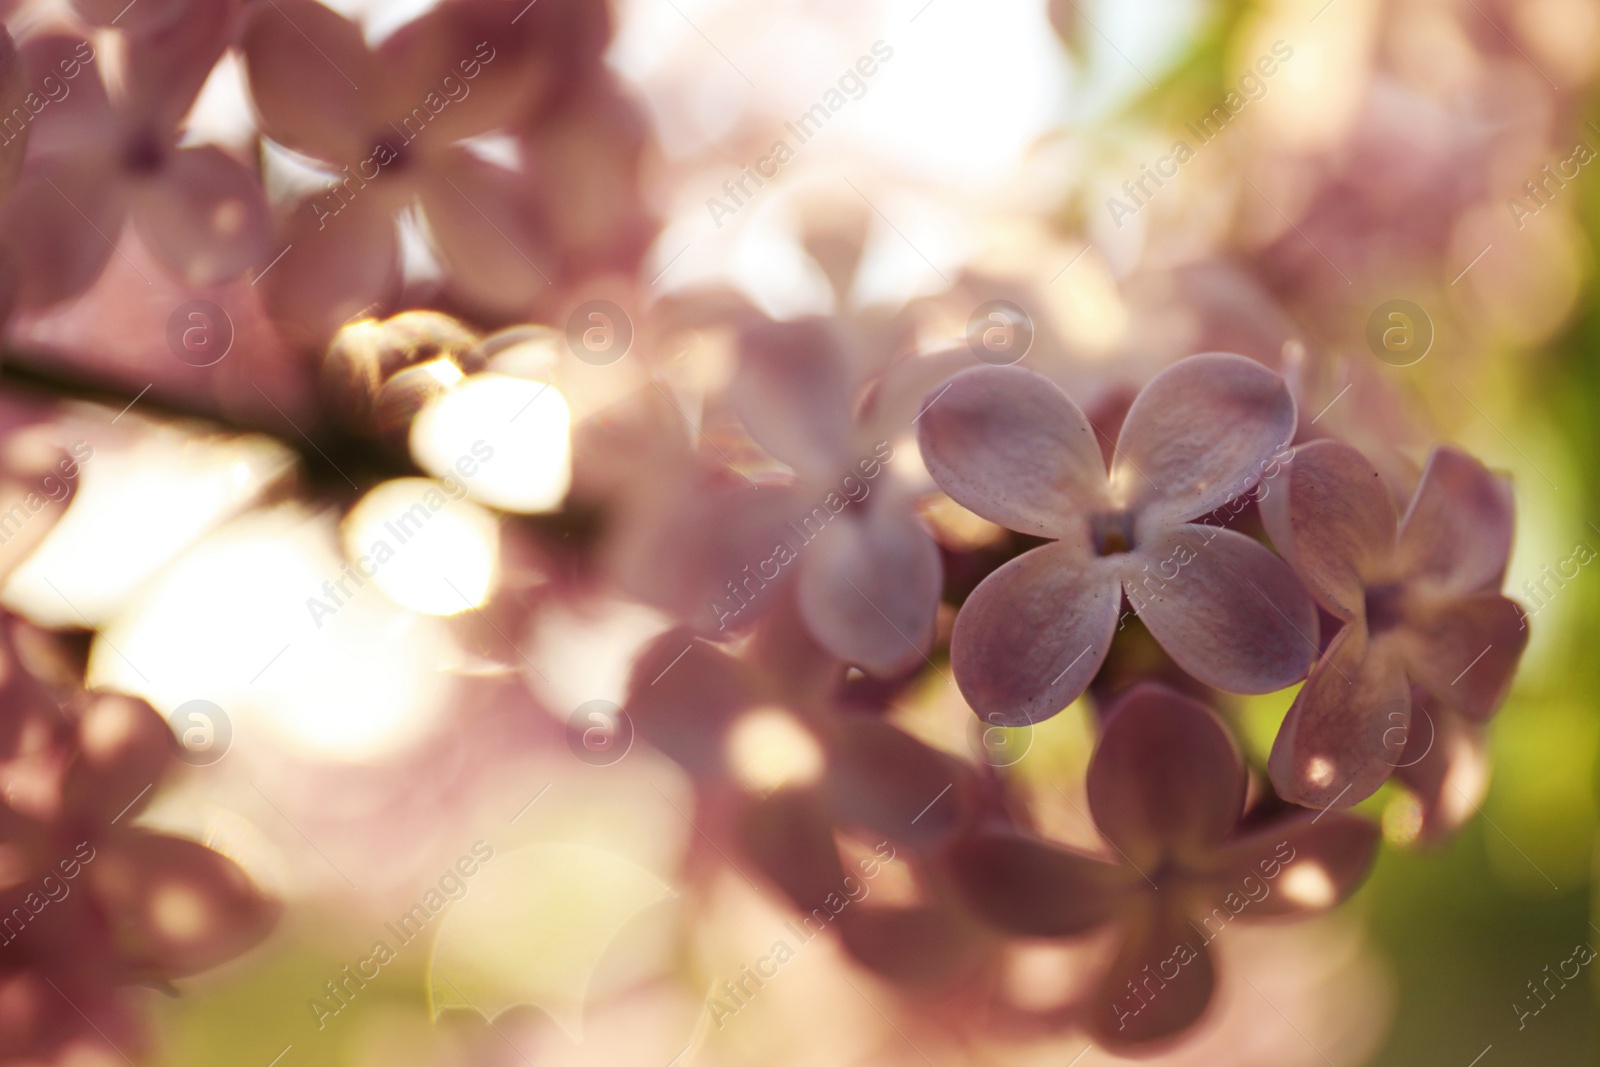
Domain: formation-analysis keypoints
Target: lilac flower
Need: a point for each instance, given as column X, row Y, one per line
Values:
column 1421, row 605
column 390, row 122
column 98, row 160
column 1167, row 789
column 1007, row 444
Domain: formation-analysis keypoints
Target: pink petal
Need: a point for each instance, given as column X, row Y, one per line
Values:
column 1458, row 528
column 886, row 781
column 14, row 89
column 312, row 80
column 1159, row 984
column 177, row 907
column 1445, row 765
column 1344, row 733
column 1030, row 638
column 205, row 217
column 335, row 267
column 918, row 947
column 82, row 123
column 1305, row 863
column 1032, row 888
column 64, row 251
column 1465, row 650
column 1166, row 779
column 1231, row 614
column 788, row 837
column 464, row 71
column 483, row 227
column 869, row 587
column 1203, row 432
column 793, row 393
column 124, row 747
column 1004, row 442
column 1332, row 518
column 684, row 695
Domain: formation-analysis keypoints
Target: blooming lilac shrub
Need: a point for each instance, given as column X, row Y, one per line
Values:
column 854, row 579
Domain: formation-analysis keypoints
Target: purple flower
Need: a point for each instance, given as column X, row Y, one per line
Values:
column 1167, row 790
column 1007, row 444
column 1420, row 600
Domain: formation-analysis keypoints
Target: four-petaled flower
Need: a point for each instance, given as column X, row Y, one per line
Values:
column 1421, row 604
column 1006, row 443
column 1167, row 790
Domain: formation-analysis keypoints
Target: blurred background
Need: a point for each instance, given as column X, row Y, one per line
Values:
column 1144, row 178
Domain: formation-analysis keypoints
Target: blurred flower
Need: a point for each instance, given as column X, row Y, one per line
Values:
column 1167, row 789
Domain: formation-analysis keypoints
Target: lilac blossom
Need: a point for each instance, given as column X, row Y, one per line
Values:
column 1421, row 605
column 1007, row 444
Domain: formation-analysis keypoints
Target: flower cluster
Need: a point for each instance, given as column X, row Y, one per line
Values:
column 823, row 526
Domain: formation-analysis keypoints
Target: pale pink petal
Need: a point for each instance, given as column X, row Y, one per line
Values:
column 869, row 587
column 204, row 217
column 1203, row 432
column 335, row 267
column 1031, row 637
column 1006, row 443
column 1227, row 610
column 1032, row 888
column 313, row 82
column 793, row 393
column 1348, row 725
column 484, row 230
column 1305, row 863
column 1166, row 781
column 1464, row 650
column 1457, row 531
column 1331, row 516
column 1159, row 984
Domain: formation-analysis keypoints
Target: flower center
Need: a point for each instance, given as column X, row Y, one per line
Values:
column 1111, row 532
column 143, row 153
column 1385, row 606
